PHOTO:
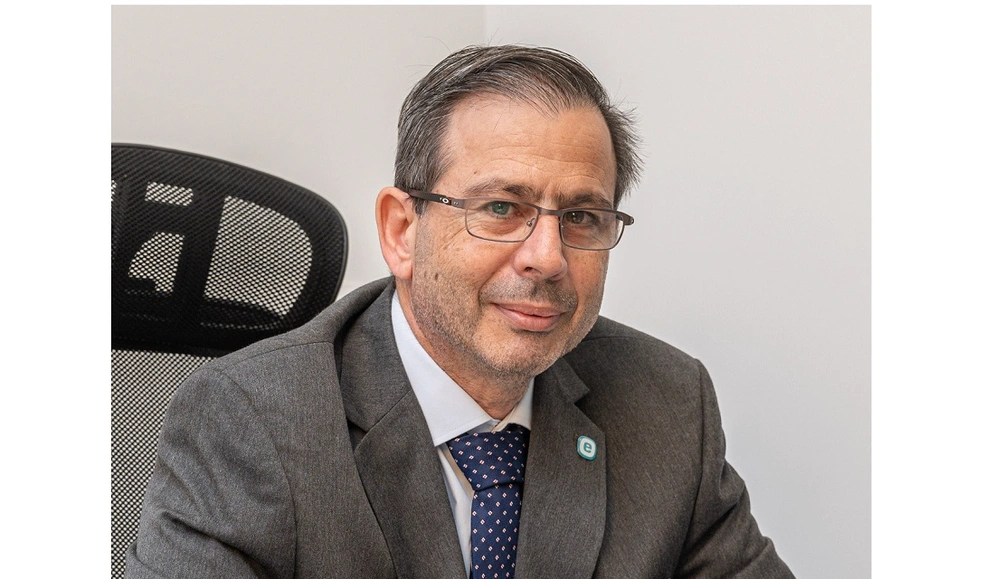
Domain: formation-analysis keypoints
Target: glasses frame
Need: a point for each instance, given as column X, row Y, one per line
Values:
column 458, row 203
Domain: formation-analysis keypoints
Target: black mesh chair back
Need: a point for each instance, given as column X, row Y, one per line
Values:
column 206, row 257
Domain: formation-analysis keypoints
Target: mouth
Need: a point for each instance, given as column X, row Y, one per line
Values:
column 531, row 317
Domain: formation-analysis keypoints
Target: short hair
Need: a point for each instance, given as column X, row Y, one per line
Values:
column 541, row 76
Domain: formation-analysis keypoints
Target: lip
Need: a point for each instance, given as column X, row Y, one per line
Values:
column 531, row 317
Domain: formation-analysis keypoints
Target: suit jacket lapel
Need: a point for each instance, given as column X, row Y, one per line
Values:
column 564, row 500
column 396, row 460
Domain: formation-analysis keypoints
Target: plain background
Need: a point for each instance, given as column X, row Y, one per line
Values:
column 751, row 248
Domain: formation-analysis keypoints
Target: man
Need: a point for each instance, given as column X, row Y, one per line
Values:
column 472, row 415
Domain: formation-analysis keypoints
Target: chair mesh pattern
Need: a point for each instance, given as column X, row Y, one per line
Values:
column 136, row 420
column 206, row 257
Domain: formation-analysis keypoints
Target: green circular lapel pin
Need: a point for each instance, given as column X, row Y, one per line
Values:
column 587, row 448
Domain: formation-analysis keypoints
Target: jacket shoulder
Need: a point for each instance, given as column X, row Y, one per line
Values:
column 627, row 371
column 608, row 338
column 319, row 333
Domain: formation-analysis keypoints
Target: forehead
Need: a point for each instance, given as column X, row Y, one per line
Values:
column 556, row 153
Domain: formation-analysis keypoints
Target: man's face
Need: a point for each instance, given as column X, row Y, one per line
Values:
column 487, row 309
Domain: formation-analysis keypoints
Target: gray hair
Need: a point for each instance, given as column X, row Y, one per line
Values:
column 544, row 77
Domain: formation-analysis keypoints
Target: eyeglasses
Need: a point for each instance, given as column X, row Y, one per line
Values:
column 510, row 221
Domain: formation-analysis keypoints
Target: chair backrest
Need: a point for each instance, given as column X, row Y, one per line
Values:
column 206, row 257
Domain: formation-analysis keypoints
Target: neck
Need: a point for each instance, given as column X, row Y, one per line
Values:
column 497, row 400
column 496, row 392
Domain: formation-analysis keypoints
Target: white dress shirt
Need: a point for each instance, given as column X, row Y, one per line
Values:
column 450, row 412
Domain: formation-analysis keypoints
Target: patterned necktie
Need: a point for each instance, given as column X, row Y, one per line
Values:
column 494, row 464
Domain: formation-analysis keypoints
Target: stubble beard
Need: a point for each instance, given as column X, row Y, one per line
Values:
column 454, row 332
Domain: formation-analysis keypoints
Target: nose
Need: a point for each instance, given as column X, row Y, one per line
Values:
column 541, row 255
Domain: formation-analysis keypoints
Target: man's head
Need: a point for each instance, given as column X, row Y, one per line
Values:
column 521, row 125
column 544, row 77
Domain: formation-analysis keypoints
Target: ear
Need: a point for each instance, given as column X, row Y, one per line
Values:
column 396, row 224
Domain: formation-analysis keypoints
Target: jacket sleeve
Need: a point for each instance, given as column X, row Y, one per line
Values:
column 723, row 539
column 218, row 503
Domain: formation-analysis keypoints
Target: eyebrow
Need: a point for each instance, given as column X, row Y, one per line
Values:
column 526, row 193
column 494, row 185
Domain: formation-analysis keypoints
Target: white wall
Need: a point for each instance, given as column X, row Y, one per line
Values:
column 751, row 248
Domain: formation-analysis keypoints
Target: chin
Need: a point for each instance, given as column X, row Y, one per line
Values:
column 524, row 354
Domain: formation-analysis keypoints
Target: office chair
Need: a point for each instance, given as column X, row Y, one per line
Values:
column 206, row 257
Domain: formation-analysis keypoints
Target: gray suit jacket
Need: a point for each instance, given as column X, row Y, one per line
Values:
column 307, row 455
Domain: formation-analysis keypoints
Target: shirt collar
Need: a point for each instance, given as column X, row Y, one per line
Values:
column 449, row 410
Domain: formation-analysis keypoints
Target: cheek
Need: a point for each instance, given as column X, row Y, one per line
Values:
column 462, row 262
column 437, row 242
column 588, row 273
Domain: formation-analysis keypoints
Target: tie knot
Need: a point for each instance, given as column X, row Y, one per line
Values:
column 491, row 458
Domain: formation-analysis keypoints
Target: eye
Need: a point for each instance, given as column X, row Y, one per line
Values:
column 499, row 208
column 583, row 218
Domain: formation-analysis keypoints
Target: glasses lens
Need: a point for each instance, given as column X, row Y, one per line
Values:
column 591, row 228
column 499, row 219
column 506, row 220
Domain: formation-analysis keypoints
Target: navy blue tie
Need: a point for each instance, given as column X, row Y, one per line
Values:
column 494, row 464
